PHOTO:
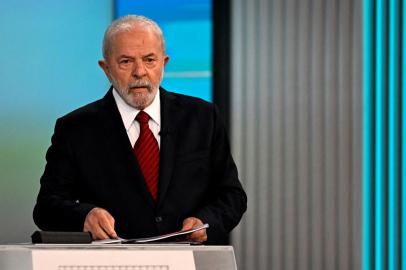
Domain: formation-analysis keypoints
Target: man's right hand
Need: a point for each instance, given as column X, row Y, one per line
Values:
column 100, row 223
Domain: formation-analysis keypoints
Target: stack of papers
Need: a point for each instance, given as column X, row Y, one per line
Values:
column 170, row 237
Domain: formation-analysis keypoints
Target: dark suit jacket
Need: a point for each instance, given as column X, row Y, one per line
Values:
column 91, row 164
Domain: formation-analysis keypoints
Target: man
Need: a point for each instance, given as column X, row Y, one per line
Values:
column 141, row 161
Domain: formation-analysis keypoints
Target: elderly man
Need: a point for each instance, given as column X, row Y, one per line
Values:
column 141, row 161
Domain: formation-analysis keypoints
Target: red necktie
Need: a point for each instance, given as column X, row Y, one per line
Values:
column 146, row 151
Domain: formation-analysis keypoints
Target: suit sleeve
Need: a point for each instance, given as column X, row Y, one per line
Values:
column 228, row 201
column 58, row 207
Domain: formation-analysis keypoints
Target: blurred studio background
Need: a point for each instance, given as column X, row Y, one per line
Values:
column 312, row 93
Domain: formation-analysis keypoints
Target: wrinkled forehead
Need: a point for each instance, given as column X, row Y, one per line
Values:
column 139, row 40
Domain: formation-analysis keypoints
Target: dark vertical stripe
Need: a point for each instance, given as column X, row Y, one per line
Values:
column 401, row 106
column 114, row 9
column 221, row 57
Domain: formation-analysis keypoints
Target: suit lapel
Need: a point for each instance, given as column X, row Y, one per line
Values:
column 119, row 146
column 168, row 142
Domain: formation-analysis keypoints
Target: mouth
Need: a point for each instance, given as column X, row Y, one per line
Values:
column 139, row 88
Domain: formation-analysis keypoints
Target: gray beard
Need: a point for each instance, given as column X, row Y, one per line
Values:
column 138, row 101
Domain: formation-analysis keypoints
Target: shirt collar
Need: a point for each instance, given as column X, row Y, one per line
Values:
column 129, row 113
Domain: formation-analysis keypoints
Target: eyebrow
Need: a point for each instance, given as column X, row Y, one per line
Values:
column 127, row 56
column 149, row 55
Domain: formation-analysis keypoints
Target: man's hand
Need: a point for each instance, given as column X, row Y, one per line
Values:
column 199, row 236
column 100, row 223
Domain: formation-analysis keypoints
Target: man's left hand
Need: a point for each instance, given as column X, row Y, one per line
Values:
column 199, row 236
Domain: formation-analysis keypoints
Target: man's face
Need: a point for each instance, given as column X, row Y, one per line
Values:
column 135, row 65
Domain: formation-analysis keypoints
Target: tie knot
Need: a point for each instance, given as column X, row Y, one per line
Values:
column 142, row 117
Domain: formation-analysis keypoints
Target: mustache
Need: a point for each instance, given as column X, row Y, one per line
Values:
column 140, row 83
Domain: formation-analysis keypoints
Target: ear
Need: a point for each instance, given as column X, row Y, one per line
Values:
column 166, row 59
column 104, row 65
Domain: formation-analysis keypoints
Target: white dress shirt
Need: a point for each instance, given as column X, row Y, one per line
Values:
column 129, row 113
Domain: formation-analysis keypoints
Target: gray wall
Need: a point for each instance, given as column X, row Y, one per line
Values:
column 296, row 132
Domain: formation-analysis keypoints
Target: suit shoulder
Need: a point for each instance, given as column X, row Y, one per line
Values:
column 86, row 117
column 88, row 111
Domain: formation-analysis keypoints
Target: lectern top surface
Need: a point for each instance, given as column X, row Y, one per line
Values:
column 115, row 246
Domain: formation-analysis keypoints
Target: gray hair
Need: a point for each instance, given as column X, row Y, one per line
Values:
column 127, row 23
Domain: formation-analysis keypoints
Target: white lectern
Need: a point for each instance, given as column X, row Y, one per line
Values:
column 116, row 257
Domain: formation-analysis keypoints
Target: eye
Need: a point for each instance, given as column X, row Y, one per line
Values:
column 150, row 61
column 125, row 63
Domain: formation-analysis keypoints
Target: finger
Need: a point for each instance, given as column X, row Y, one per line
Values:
column 199, row 236
column 96, row 231
column 107, row 224
column 100, row 234
column 100, row 223
column 191, row 222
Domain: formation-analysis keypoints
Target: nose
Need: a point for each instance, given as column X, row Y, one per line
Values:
column 139, row 70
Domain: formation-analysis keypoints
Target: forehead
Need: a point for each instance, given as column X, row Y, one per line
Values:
column 136, row 40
